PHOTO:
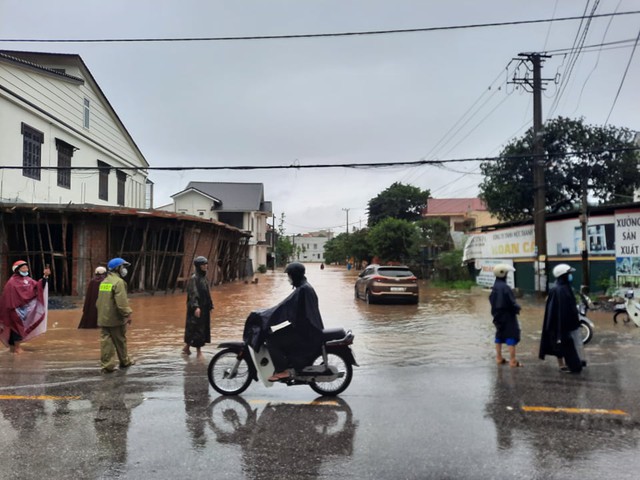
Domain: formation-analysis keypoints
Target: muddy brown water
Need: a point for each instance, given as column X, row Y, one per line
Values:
column 446, row 327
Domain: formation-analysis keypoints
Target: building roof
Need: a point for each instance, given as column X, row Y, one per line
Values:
column 234, row 196
column 34, row 61
column 453, row 206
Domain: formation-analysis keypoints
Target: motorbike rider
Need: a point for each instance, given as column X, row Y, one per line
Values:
column 299, row 342
column 560, row 330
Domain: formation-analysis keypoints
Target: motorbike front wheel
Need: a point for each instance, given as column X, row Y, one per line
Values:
column 586, row 332
column 338, row 385
column 621, row 315
column 228, row 374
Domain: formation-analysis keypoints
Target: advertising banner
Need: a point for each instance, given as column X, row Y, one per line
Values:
column 516, row 242
column 628, row 248
column 486, row 277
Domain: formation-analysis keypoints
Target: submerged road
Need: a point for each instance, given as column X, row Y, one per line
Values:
column 427, row 401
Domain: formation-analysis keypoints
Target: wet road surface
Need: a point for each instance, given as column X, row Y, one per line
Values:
column 427, row 401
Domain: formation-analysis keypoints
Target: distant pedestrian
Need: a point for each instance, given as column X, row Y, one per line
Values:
column 561, row 328
column 504, row 310
column 23, row 307
column 114, row 315
column 89, row 311
column 197, row 331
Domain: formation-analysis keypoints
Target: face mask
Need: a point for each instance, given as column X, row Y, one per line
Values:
column 24, row 274
column 123, row 272
column 570, row 278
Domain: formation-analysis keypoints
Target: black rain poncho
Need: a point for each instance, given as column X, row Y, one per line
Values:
column 504, row 310
column 561, row 320
column 300, row 308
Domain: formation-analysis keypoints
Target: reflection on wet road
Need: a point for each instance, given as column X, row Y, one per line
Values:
column 426, row 402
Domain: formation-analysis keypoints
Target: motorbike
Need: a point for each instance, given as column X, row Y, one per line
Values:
column 233, row 368
column 586, row 325
column 629, row 310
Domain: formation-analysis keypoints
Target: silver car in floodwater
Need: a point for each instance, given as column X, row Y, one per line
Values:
column 379, row 283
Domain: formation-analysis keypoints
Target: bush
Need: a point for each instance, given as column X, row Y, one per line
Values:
column 262, row 268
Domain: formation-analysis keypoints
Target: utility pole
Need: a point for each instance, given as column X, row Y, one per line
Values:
column 584, row 245
column 273, row 243
column 535, row 85
column 347, row 210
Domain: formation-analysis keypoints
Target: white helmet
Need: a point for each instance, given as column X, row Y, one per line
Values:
column 562, row 269
column 502, row 269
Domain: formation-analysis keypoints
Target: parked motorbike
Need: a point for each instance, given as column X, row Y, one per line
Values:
column 629, row 310
column 586, row 325
column 232, row 369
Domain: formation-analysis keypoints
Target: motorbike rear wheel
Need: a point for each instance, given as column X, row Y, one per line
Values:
column 621, row 315
column 341, row 383
column 586, row 332
column 220, row 373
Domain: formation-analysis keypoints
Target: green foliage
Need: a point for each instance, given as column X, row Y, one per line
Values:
column 354, row 245
column 262, row 268
column 611, row 175
column 399, row 201
column 449, row 267
column 435, row 232
column 393, row 239
column 284, row 247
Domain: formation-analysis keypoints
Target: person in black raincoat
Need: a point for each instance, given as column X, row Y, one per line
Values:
column 292, row 329
column 504, row 310
column 197, row 329
column 560, row 330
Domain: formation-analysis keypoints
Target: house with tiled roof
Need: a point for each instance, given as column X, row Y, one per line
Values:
column 61, row 141
column 241, row 205
column 462, row 214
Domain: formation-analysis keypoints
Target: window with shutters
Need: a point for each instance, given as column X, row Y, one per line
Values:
column 32, row 141
column 65, row 152
column 121, row 177
column 103, row 180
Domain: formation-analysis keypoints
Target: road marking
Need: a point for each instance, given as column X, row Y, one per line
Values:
column 331, row 403
column 37, row 397
column 589, row 411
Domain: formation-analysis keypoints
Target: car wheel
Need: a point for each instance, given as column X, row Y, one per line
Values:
column 355, row 293
column 370, row 298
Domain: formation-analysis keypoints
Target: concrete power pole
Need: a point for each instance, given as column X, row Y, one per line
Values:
column 347, row 210
column 535, row 84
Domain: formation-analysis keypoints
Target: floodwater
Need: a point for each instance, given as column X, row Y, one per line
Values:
column 161, row 419
column 447, row 327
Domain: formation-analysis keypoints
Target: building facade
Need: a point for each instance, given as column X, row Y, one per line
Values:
column 240, row 205
column 61, row 142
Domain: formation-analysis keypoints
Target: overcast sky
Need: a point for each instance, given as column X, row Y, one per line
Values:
column 356, row 99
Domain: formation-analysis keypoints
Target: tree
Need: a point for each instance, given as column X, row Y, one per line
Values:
column 344, row 245
column 435, row 233
column 400, row 201
column 394, row 239
column 284, row 248
column 580, row 160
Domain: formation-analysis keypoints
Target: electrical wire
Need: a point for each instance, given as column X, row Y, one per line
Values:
column 318, row 35
column 624, row 76
column 299, row 166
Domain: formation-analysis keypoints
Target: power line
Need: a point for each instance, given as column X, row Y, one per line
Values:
column 318, row 35
column 624, row 76
column 299, row 166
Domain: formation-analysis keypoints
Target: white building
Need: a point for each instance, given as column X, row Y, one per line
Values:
column 240, row 205
column 309, row 247
column 54, row 114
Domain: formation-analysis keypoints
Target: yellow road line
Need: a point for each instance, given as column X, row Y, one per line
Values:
column 331, row 403
column 36, row 397
column 590, row 411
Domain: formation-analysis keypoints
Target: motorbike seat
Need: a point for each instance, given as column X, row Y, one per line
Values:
column 336, row 333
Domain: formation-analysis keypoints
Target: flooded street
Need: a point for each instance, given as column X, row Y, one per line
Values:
column 427, row 401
